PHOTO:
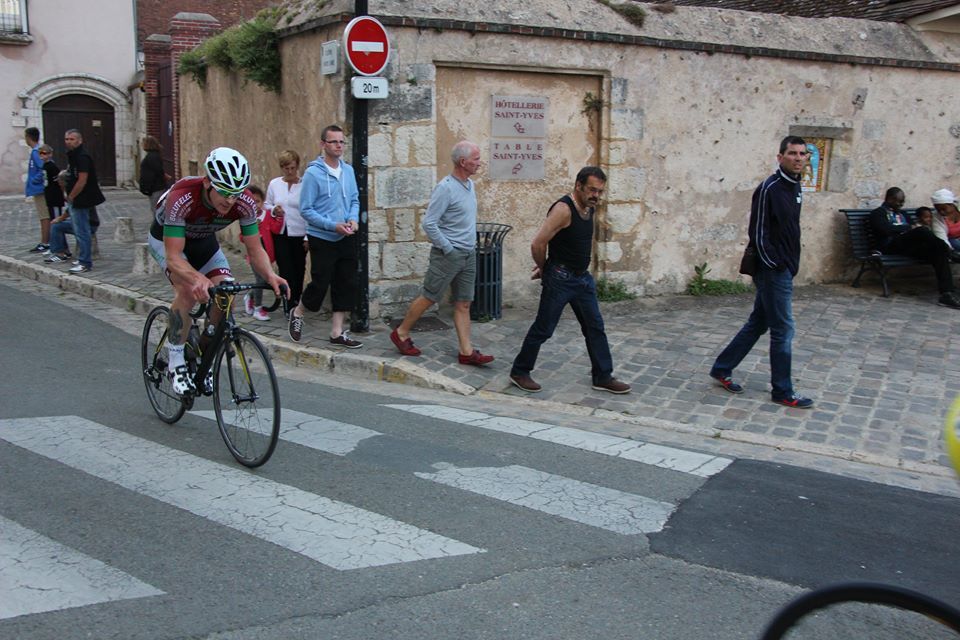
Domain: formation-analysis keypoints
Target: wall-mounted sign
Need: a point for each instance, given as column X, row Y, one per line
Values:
column 519, row 116
column 329, row 57
column 519, row 137
column 814, row 175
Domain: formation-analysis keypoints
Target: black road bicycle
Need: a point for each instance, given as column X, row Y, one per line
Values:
column 246, row 396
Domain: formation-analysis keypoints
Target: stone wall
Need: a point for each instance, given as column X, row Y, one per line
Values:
column 686, row 130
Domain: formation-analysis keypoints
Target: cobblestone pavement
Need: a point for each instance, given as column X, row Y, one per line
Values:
column 883, row 371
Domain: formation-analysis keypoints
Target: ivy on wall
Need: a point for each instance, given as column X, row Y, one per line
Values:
column 635, row 15
column 250, row 48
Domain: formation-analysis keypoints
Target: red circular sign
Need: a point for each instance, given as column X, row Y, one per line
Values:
column 367, row 45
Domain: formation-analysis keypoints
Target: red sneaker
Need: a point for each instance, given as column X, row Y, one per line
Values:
column 406, row 347
column 475, row 358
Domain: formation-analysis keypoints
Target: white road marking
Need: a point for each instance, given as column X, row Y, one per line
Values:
column 338, row 438
column 334, row 533
column 38, row 574
column 366, row 46
column 582, row 502
column 698, row 464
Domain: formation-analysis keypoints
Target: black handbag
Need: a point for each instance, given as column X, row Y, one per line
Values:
column 748, row 263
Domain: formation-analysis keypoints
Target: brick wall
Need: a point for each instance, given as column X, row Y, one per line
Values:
column 156, row 51
column 187, row 30
column 154, row 17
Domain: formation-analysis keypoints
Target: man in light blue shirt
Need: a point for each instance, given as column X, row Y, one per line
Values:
column 34, row 187
column 451, row 224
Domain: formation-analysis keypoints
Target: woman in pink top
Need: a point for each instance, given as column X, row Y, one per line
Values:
column 283, row 197
column 953, row 230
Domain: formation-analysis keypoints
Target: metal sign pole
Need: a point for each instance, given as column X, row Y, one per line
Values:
column 361, row 314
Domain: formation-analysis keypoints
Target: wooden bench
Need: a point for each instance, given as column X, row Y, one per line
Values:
column 865, row 247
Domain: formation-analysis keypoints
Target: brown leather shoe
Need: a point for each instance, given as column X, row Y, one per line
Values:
column 525, row 382
column 613, row 386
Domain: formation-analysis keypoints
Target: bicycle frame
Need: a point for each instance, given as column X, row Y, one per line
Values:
column 224, row 330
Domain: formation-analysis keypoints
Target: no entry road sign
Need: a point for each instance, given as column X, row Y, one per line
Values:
column 367, row 45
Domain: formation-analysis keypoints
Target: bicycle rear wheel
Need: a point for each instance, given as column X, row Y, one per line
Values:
column 850, row 610
column 153, row 358
column 246, row 399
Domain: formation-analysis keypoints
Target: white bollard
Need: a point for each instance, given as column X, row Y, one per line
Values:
column 143, row 262
column 124, row 231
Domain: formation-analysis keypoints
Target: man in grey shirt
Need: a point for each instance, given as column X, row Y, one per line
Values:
column 451, row 225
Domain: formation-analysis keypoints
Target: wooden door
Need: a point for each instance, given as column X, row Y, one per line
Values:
column 94, row 118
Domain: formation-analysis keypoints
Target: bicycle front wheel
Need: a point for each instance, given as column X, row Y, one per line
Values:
column 246, row 399
column 864, row 610
column 153, row 361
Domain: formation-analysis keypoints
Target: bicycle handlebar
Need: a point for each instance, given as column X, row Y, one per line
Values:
column 233, row 288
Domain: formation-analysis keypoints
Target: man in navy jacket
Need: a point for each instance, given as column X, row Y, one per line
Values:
column 775, row 234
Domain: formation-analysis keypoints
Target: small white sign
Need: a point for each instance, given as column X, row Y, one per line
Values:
column 367, row 88
column 519, row 116
column 517, row 158
column 329, row 57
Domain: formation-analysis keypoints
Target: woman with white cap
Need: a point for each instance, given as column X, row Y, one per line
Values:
column 947, row 219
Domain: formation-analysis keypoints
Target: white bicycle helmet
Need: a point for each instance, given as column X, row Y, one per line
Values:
column 227, row 170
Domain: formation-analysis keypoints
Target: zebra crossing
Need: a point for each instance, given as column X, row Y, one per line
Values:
column 334, row 533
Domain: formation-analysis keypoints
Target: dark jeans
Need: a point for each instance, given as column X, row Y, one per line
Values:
column 922, row 244
column 333, row 265
column 291, row 263
column 772, row 309
column 560, row 288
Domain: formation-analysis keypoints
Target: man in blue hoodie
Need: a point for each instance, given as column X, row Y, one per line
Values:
column 330, row 205
column 775, row 233
column 34, row 187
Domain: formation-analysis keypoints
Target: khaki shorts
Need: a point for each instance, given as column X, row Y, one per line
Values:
column 40, row 203
column 457, row 270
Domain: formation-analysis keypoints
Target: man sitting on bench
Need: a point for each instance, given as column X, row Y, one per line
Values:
column 894, row 235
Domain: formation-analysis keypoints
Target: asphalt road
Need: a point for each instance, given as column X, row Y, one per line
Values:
column 389, row 512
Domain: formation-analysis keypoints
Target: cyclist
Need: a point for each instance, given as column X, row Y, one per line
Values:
column 182, row 240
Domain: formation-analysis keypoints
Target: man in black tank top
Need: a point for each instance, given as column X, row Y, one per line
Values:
column 561, row 254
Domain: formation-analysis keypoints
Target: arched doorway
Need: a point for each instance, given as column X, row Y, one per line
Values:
column 94, row 118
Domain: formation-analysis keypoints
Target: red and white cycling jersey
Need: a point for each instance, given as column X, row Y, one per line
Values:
column 182, row 213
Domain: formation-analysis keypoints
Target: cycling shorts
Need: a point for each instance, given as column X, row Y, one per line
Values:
column 203, row 254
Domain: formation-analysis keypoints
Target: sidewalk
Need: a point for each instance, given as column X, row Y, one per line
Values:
column 882, row 371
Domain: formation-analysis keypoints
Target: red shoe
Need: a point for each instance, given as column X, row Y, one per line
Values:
column 475, row 358
column 406, row 347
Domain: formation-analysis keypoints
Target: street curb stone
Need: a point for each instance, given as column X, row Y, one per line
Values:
column 351, row 364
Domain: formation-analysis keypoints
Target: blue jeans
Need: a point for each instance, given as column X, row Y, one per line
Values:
column 58, row 236
column 560, row 288
column 81, row 229
column 772, row 309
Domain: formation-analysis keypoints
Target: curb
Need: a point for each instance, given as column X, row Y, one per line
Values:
column 357, row 365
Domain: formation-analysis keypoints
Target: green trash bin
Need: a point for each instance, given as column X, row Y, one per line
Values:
column 488, row 293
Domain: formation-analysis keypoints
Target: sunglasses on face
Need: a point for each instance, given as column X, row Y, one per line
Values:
column 229, row 195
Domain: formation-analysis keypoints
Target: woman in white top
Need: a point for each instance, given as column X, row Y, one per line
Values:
column 290, row 246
